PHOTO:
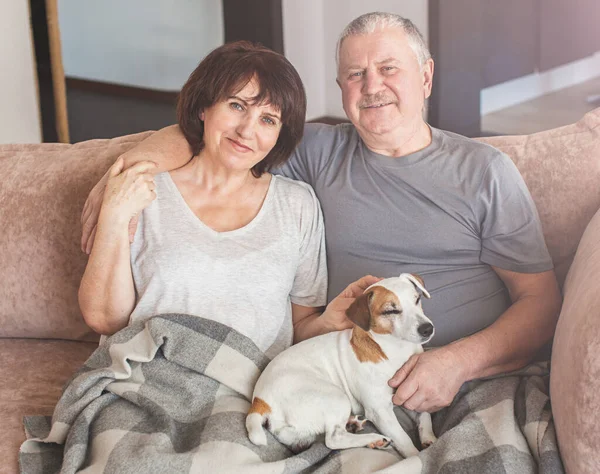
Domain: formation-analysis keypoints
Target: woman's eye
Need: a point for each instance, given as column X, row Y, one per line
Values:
column 236, row 106
column 269, row 121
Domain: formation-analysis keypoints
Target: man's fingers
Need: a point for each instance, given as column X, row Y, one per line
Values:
column 117, row 167
column 415, row 403
column 133, row 227
column 405, row 391
column 403, row 372
column 90, row 241
column 143, row 167
column 85, row 211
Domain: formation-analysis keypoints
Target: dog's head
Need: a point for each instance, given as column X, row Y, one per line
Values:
column 393, row 306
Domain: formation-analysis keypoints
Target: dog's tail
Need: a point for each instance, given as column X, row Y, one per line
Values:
column 256, row 420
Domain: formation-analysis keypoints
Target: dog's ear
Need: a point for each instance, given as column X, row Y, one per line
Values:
column 359, row 311
column 418, row 282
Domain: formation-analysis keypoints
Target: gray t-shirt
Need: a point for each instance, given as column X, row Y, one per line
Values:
column 446, row 212
column 245, row 278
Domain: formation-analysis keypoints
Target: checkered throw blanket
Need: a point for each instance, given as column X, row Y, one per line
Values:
column 171, row 395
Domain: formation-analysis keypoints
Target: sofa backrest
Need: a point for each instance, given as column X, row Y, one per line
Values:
column 45, row 186
column 562, row 170
column 42, row 193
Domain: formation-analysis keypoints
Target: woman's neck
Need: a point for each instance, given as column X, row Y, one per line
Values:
column 214, row 178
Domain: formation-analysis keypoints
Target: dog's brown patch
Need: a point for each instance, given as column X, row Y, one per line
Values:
column 259, row 406
column 365, row 348
column 383, row 300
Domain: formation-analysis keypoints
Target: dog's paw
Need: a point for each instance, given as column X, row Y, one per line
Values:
column 383, row 443
column 355, row 423
column 428, row 441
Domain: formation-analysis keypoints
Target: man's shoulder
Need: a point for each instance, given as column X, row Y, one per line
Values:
column 455, row 140
column 321, row 133
column 470, row 151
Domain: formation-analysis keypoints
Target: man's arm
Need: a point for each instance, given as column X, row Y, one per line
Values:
column 168, row 148
column 430, row 381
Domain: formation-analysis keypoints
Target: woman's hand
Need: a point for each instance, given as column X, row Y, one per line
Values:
column 127, row 192
column 335, row 314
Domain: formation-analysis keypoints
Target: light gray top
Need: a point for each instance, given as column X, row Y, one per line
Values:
column 447, row 212
column 245, row 278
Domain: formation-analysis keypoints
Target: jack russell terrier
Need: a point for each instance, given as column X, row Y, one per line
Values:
column 322, row 384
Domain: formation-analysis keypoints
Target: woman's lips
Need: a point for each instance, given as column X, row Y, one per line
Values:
column 238, row 146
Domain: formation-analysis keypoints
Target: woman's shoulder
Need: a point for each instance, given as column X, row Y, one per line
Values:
column 294, row 188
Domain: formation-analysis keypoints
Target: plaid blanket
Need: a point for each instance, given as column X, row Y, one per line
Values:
column 171, row 395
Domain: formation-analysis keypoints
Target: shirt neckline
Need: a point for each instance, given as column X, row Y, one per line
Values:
column 263, row 209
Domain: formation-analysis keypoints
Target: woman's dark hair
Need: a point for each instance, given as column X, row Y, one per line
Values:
column 225, row 72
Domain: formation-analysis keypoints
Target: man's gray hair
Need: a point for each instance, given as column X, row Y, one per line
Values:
column 370, row 22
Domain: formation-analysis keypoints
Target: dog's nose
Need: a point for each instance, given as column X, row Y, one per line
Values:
column 425, row 329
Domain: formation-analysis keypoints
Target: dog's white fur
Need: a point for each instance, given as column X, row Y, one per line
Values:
column 320, row 385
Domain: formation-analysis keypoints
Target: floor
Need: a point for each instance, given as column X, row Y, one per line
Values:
column 549, row 111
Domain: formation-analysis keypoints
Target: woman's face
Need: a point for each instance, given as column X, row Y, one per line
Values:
column 239, row 133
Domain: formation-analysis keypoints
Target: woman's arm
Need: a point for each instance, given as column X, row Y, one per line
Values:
column 106, row 292
column 167, row 148
column 311, row 322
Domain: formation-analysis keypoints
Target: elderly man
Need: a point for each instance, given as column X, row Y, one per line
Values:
column 401, row 196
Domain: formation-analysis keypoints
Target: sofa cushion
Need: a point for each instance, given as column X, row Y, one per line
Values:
column 562, row 170
column 575, row 375
column 33, row 373
column 43, row 191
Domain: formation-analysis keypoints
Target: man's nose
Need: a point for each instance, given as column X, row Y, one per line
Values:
column 372, row 83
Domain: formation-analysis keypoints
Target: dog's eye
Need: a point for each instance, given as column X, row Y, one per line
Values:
column 390, row 310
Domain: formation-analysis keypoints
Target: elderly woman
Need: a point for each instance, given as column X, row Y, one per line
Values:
column 220, row 237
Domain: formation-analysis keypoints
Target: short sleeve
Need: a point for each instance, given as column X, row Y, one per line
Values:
column 310, row 283
column 511, row 232
column 309, row 156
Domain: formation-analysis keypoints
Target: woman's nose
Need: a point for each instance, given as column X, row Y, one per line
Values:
column 246, row 127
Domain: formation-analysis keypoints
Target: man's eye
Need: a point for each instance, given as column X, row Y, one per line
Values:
column 356, row 74
column 236, row 106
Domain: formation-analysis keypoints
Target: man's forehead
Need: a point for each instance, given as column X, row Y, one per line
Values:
column 383, row 45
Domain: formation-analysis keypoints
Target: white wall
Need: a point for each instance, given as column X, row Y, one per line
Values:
column 19, row 109
column 303, row 41
column 145, row 43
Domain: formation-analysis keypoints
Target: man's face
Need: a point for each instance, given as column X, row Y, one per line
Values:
column 383, row 86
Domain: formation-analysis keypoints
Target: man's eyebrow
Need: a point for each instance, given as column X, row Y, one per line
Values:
column 387, row 60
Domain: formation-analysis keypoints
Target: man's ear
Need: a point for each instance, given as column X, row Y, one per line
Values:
column 359, row 311
column 337, row 81
column 427, row 70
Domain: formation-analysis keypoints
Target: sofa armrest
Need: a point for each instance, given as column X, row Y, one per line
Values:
column 575, row 373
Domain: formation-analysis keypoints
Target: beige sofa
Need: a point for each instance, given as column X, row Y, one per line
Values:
column 43, row 339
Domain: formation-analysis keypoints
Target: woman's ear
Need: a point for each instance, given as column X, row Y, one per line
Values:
column 202, row 115
column 359, row 311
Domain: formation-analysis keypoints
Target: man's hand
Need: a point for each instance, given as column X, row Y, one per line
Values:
column 335, row 313
column 429, row 381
